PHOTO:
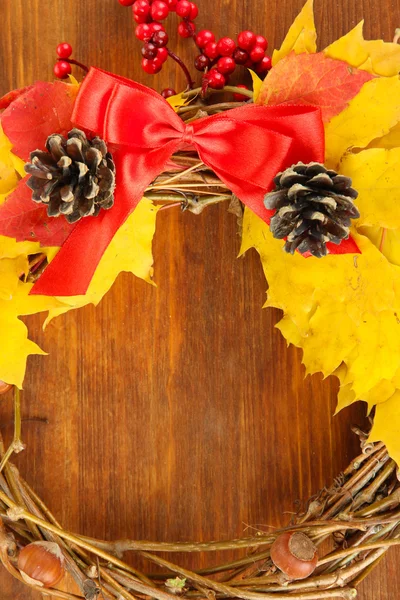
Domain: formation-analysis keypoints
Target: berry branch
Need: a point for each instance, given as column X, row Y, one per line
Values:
column 62, row 68
column 217, row 59
column 184, row 68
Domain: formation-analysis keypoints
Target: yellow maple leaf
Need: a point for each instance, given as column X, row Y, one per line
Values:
column 15, row 345
column 301, row 37
column 15, row 301
column 381, row 392
column 130, row 250
column 178, row 101
column 375, row 175
column 14, row 342
column 375, row 56
column 370, row 115
column 388, row 141
column 257, row 84
column 357, row 296
column 387, row 240
column 386, row 425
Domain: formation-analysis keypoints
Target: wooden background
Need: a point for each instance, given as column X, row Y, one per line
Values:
column 176, row 412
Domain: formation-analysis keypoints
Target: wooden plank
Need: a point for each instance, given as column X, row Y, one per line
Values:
column 176, row 412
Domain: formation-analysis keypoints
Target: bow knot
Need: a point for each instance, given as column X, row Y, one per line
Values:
column 246, row 147
column 188, row 135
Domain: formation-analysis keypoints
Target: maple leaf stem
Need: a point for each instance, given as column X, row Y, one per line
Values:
column 16, row 445
column 396, row 38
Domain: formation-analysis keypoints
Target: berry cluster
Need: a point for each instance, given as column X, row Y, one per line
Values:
column 217, row 60
column 148, row 14
column 62, row 68
column 220, row 58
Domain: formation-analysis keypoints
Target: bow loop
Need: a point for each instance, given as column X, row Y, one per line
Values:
column 245, row 147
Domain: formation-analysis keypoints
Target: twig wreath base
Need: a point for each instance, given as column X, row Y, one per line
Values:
column 352, row 523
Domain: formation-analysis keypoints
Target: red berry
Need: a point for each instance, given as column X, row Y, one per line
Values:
column 151, row 66
column 226, row 65
column 160, row 39
column 264, row 65
column 141, row 8
column 246, row 40
column 62, row 69
column 257, row 54
column 201, row 62
column 211, row 50
column 168, row 92
column 140, row 19
column 203, row 37
column 154, row 27
column 149, row 51
column 126, row 2
column 143, row 32
column 240, row 56
column 194, row 11
column 261, row 41
column 183, row 8
column 64, row 50
column 186, row 28
column 226, row 46
column 215, row 79
column 162, row 54
column 240, row 97
column 159, row 10
column 172, row 6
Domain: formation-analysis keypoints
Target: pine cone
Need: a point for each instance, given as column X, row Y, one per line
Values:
column 314, row 205
column 75, row 178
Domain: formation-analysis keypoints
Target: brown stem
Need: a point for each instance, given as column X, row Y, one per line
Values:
column 232, row 592
column 184, row 68
column 228, row 88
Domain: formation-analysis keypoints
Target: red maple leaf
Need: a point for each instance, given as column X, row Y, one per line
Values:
column 36, row 113
column 313, row 79
column 23, row 219
column 8, row 98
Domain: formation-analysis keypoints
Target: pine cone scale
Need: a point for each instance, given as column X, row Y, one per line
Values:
column 314, row 205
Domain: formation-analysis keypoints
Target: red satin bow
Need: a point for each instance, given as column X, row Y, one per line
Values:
column 246, row 147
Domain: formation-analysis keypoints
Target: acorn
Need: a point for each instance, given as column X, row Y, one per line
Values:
column 294, row 554
column 4, row 387
column 41, row 564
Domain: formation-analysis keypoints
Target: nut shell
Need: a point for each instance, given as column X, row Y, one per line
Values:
column 4, row 387
column 294, row 554
column 42, row 563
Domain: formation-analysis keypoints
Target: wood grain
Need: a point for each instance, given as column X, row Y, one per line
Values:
column 176, row 412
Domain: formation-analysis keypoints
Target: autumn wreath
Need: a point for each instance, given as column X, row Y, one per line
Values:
column 84, row 169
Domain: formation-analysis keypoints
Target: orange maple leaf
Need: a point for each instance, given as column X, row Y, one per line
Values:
column 313, row 79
